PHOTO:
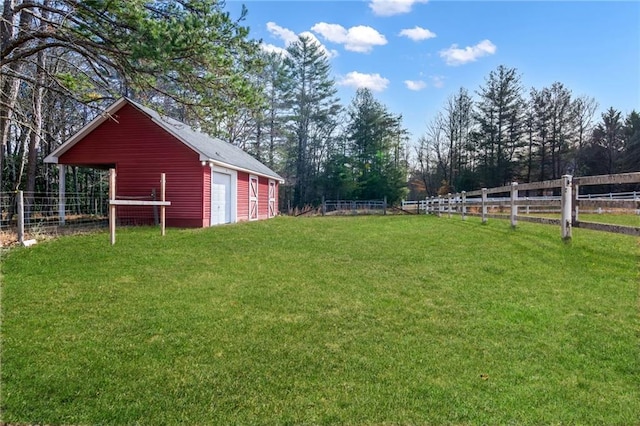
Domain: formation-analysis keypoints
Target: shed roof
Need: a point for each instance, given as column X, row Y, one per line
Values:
column 211, row 150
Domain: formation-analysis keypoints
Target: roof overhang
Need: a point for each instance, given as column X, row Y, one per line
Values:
column 212, row 162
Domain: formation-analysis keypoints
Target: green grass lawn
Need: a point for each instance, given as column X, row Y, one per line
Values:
column 341, row 320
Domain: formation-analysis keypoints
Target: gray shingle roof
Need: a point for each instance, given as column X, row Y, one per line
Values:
column 209, row 148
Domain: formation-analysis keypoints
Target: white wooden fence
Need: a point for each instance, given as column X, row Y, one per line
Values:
column 569, row 204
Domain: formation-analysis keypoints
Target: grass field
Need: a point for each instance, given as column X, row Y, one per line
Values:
column 343, row 320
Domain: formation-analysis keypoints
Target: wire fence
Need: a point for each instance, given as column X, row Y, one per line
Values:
column 354, row 207
column 25, row 216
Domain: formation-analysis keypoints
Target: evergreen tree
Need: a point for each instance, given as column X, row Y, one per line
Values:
column 607, row 142
column 501, row 125
column 631, row 154
column 191, row 54
column 313, row 118
column 375, row 136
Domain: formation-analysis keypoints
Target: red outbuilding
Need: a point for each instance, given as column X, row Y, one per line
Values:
column 208, row 181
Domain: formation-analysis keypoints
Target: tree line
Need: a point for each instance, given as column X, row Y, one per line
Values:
column 64, row 61
column 505, row 133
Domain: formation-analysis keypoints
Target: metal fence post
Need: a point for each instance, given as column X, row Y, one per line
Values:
column 565, row 221
column 514, row 204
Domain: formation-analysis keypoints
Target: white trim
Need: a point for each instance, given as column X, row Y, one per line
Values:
column 255, row 199
column 240, row 169
column 234, row 192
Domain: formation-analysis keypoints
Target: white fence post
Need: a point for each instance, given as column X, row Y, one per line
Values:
column 484, row 205
column 450, row 207
column 20, row 201
column 576, row 214
column 464, row 205
column 163, row 216
column 566, row 207
column 112, row 207
column 62, row 193
column 439, row 205
column 514, row 204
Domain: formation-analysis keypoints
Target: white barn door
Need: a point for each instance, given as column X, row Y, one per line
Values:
column 220, row 198
column 253, row 197
column 272, row 198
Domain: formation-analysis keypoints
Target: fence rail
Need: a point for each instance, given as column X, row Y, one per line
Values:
column 568, row 205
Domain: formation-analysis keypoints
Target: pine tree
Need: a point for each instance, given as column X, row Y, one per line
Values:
column 312, row 120
column 500, row 117
column 376, row 136
column 192, row 54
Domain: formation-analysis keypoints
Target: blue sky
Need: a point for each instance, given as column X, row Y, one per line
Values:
column 414, row 54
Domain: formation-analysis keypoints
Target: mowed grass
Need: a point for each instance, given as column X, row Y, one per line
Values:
column 614, row 219
column 342, row 320
column 624, row 219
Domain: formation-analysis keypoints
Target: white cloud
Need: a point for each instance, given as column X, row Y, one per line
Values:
column 392, row 7
column 417, row 33
column 374, row 82
column 437, row 81
column 415, row 85
column 456, row 56
column 284, row 34
column 270, row 48
column 356, row 39
column 289, row 37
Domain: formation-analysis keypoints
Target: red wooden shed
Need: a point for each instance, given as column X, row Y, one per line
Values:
column 209, row 181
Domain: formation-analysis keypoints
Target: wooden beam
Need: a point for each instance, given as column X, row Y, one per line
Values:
column 618, row 229
column 609, row 179
column 138, row 203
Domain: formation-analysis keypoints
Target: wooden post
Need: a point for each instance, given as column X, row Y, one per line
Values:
column 61, row 193
column 567, row 198
column 439, row 205
column 450, row 207
column 385, row 206
column 464, row 205
column 484, row 205
column 20, row 201
column 163, row 185
column 514, row 204
column 324, row 206
column 112, row 207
